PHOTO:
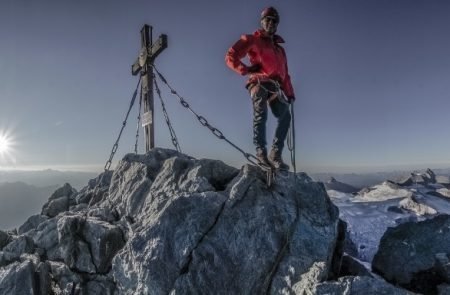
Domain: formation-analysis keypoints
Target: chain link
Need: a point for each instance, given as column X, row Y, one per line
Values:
column 115, row 147
column 166, row 117
column 124, row 123
column 251, row 158
column 138, row 123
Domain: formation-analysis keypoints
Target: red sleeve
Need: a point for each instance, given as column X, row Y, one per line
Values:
column 287, row 85
column 236, row 53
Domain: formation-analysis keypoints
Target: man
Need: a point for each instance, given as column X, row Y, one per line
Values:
column 268, row 75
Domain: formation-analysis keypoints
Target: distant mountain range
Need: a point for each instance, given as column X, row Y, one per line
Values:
column 333, row 184
column 22, row 193
column 48, row 177
column 19, row 200
column 361, row 180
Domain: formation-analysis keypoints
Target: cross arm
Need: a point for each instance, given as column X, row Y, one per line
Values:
column 149, row 54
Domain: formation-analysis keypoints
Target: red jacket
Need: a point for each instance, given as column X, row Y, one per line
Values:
column 269, row 54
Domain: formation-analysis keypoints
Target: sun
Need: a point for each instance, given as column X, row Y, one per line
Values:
column 5, row 144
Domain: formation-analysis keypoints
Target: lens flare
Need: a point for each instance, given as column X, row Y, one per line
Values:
column 5, row 144
column 7, row 147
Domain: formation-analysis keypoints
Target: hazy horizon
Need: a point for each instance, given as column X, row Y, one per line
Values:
column 332, row 170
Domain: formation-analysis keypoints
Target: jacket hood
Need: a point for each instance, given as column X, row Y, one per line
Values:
column 276, row 38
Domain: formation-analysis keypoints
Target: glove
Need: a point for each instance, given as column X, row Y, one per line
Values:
column 254, row 68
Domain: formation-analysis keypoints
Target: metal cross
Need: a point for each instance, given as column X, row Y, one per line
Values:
column 143, row 65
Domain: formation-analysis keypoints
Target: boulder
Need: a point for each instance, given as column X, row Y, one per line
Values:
column 104, row 241
column 56, row 206
column 59, row 201
column 32, row 223
column 136, row 176
column 88, row 245
column 65, row 191
column 443, row 266
column 192, row 224
column 410, row 254
column 74, row 249
column 356, row 286
column 45, row 237
column 95, row 190
column 100, row 286
column 18, row 278
column 65, row 279
column 7, row 258
column 42, row 275
column 351, row 266
column 444, row 289
column 4, row 239
column 20, row 245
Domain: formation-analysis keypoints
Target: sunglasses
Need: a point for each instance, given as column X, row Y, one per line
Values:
column 271, row 18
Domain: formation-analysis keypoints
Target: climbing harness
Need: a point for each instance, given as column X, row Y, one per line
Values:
column 251, row 158
column 278, row 94
column 166, row 116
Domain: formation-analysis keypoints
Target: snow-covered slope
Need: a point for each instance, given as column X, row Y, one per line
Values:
column 372, row 210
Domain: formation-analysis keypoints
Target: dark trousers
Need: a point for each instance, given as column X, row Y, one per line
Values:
column 280, row 109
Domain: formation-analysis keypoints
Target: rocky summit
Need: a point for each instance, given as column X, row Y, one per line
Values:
column 166, row 223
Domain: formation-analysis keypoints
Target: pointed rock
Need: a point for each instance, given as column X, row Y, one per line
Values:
column 59, row 201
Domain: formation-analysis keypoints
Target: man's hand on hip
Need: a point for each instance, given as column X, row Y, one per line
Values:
column 254, row 68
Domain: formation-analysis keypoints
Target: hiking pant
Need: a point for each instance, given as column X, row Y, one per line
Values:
column 280, row 109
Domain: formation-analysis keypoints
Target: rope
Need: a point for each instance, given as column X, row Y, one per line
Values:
column 291, row 133
column 291, row 138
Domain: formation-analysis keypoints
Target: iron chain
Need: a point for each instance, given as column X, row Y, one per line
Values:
column 214, row 130
column 166, row 117
column 116, row 144
column 138, row 123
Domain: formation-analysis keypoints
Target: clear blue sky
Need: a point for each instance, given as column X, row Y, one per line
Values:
column 371, row 79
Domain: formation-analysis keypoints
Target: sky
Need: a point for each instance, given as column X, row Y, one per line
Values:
column 371, row 79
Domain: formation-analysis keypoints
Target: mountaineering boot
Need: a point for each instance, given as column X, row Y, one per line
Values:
column 261, row 155
column 277, row 161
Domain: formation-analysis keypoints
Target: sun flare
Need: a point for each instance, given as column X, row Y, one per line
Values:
column 5, row 144
column 7, row 148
